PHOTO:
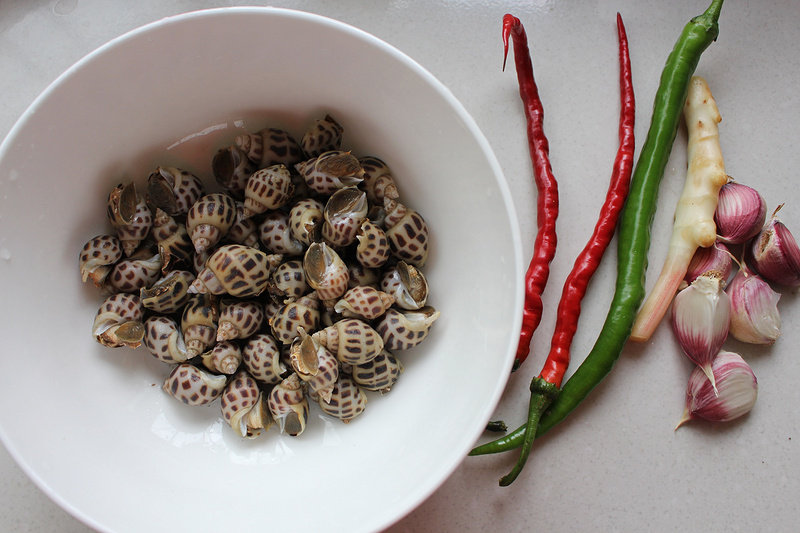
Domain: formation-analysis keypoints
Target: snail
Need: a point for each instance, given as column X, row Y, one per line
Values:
column 372, row 250
column 363, row 302
column 306, row 219
column 244, row 406
column 379, row 374
column 268, row 188
column 301, row 313
column 232, row 168
column 324, row 135
column 360, row 276
column 347, row 400
column 276, row 235
column 132, row 275
column 344, row 212
column 209, row 219
column 289, row 406
column 288, row 282
column 118, row 321
column 261, row 357
column 401, row 330
column 199, row 324
column 407, row 284
column 378, row 181
column 169, row 294
column 330, row 171
column 236, row 270
column 239, row 319
column 269, row 146
column 164, row 340
column 325, row 271
column 244, row 229
column 351, row 340
column 97, row 258
column 173, row 190
column 315, row 365
column 224, row 358
column 130, row 216
column 407, row 233
column 173, row 241
column 194, row 386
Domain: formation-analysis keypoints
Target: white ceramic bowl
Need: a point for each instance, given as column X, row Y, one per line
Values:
column 91, row 425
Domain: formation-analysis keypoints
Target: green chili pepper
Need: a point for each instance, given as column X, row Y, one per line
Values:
column 634, row 235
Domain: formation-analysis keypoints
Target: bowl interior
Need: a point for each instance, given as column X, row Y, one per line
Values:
column 91, row 426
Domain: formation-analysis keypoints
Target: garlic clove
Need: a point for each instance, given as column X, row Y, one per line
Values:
column 754, row 309
column 775, row 253
column 737, row 390
column 700, row 319
column 715, row 258
column 741, row 212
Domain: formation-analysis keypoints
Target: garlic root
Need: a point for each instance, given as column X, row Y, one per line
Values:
column 694, row 225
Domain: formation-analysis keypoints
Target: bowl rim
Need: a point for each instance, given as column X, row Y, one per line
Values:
column 447, row 468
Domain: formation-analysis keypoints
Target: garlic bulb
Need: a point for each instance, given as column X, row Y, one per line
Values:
column 716, row 258
column 700, row 319
column 754, row 309
column 737, row 389
column 741, row 212
column 776, row 255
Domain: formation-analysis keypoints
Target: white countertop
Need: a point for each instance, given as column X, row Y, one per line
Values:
column 616, row 465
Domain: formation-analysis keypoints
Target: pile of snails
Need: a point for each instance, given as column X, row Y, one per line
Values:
column 298, row 283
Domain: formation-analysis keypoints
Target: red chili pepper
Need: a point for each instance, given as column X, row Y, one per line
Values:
column 544, row 247
column 546, row 387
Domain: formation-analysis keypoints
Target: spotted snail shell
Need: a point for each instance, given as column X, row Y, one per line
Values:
column 325, row 271
column 360, row 276
column 97, row 258
column 131, row 275
column 351, row 340
column 209, row 220
column 130, row 216
column 244, row 406
column 194, row 386
column 372, row 250
column 224, row 358
column 236, row 270
column 276, row 234
column 164, row 340
column 363, row 302
column 407, row 233
column 244, row 229
column 401, row 330
column 407, row 284
column 269, row 146
column 301, row 313
column 288, row 282
column 330, row 171
column 315, row 365
column 324, row 135
column 232, row 168
column 239, row 319
column 347, row 400
column 172, row 239
column 118, row 321
column 173, row 190
column 289, row 406
column 306, row 219
column 378, row 181
column 169, row 294
column 268, row 188
column 344, row 212
column 199, row 324
column 261, row 357
column 379, row 374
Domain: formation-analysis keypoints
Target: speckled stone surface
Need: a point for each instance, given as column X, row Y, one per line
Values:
column 616, row 464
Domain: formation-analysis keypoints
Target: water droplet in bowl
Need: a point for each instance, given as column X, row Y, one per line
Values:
column 5, row 254
column 64, row 7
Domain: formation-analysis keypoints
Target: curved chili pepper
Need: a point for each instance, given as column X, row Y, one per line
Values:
column 634, row 237
column 544, row 246
column 545, row 387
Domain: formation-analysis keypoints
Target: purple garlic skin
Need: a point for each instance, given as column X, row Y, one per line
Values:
column 741, row 212
column 737, row 390
column 754, row 309
column 715, row 258
column 775, row 254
